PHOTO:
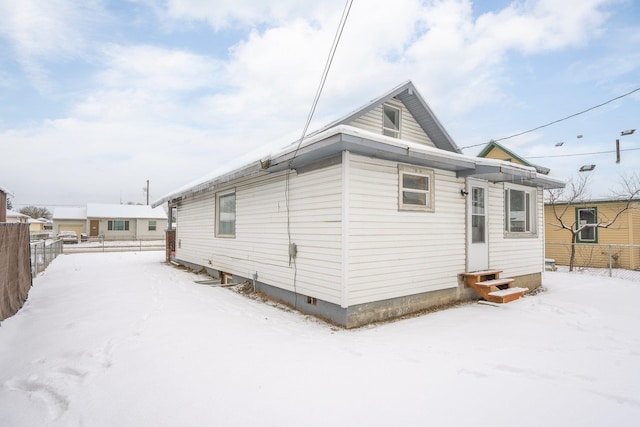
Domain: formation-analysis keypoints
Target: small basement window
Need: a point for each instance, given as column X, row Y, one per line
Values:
column 390, row 121
column 415, row 189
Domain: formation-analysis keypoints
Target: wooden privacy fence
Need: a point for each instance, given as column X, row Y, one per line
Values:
column 15, row 268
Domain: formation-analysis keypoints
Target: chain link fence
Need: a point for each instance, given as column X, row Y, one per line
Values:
column 42, row 253
column 621, row 261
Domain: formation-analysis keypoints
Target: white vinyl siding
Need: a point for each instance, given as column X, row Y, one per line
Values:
column 410, row 130
column 513, row 255
column 392, row 253
column 261, row 243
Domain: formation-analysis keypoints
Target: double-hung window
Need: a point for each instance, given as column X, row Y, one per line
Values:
column 520, row 211
column 415, row 189
column 586, row 216
column 226, row 214
column 152, row 225
column 390, row 121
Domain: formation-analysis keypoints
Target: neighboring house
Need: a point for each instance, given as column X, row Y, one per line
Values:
column 70, row 219
column 13, row 216
column 36, row 224
column 4, row 193
column 625, row 231
column 372, row 217
column 112, row 222
column 493, row 150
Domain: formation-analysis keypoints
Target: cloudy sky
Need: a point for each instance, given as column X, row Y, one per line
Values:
column 98, row 96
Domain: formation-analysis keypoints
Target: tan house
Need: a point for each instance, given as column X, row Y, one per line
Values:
column 595, row 244
column 493, row 150
column 112, row 222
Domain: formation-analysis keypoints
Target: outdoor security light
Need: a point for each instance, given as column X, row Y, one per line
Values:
column 559, row 144
column 627, row 132
column 579, row 136
column 587, row 168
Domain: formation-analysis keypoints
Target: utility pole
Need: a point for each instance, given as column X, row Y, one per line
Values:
column 617, row 151
column 147, row 192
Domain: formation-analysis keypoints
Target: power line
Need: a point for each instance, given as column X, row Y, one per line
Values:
column 325, row 73
column 580, row 154
column 336, row 40
column 557, row 121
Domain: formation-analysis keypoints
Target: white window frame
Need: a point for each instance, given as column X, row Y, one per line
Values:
column 220, row 195
column 429, row 205
column 532, row 195
column 118, row 225
column 580, row 223
column 394, row 133
column 152, row 225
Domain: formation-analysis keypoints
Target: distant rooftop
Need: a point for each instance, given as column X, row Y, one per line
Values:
column 98, row 210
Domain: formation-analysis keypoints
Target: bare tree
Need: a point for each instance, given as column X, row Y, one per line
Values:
column 576, row 192
column 36, row 212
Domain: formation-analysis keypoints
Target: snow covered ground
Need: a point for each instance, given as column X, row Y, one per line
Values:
column 121, row 339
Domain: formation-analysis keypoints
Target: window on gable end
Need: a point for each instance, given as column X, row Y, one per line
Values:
column 390, row 121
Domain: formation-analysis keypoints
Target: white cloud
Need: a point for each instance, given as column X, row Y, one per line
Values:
column 221, row 14
column 53, row 30
column 157, row 68
column 170, row 114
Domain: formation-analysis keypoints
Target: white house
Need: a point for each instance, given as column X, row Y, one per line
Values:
column 112, row 222
column 373, row 216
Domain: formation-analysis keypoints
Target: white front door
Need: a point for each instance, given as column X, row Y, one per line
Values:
column 477, row 226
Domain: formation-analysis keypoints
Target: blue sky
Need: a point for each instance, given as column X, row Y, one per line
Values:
column 97, row 96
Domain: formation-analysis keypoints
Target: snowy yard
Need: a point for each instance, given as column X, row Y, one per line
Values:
column 121, row 339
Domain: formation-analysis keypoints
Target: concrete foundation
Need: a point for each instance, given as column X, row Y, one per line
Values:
column 362, row 314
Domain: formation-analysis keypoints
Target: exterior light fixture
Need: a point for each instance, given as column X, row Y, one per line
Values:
column 559, row 144
column 587, row 168
column 579, row 136
column 627, row 132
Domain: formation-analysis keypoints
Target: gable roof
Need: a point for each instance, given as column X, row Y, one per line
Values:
column 339, row 136
column 418, row 108
column 494, row 145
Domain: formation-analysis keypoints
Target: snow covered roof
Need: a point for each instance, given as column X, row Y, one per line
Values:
column 14, row 214
column 100, row 210
column 5, row 191
column 70, row 213
column 339, row 136
column 358, row 141
column 97, row 210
